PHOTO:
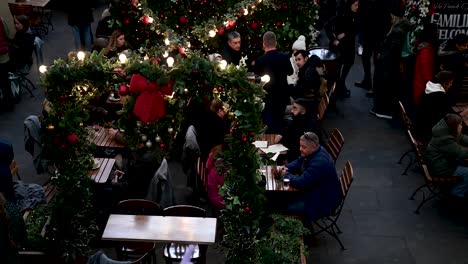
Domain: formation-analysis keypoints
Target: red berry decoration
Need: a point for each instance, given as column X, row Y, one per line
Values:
column 126, row 21
column 220, row 89
column 147, row 20
column 244, row 139
column 278, row 24
column 220, row 31
column 123, row 90
column 63, row 147
column 254, row 25
column 182, row 20
column 247, row 209
column 162, row 145
column 72, row 139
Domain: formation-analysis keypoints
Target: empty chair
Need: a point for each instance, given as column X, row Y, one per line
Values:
column 335, row 144
column 136, row 250
column 328, row 223
column 175, row 251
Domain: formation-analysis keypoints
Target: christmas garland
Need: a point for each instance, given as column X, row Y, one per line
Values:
column 418, row 12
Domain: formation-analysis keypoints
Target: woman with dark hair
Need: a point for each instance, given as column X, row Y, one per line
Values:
column 344, row 41
column 434, row 104
column 22, row 45
column 446, row 148
column 426, row 54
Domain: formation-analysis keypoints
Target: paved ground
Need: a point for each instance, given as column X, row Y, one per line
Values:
column 378, row 221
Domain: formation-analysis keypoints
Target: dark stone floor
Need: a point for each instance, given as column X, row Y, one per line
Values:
column 378, row 222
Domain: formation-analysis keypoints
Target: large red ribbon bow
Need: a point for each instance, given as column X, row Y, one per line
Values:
column 150, row 104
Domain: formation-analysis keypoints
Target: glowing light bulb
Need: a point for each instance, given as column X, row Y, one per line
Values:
column 80, row 55
column 150, row 20
column 246, row 12
column 212, row 33
column 265, row 78
column 167, row 42
column 223, row 64
column 189, row 45
column 122, row 58
column 170, row 61
column 166, row 54
column 146, row 58
column 42, row 69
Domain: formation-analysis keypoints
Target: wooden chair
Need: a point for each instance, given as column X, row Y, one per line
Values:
column 322, row 107
column 436, row 186
column 35, row 18
column 202, row 175
column 335, row 144
column 328, row 223
column 175, row 251
column 136, row 250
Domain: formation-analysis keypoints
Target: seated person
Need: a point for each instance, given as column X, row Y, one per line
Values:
column 212, row 128
column 117, row 44
column 309, row 77
column 302, row 121
column 215, row 177
column 447, row 147
column 434, row 104
column 22, row 45
column 316, row 178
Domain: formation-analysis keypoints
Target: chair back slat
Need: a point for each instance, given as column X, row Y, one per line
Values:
column 404, row 116
column 184, row 210
column 322, row 108
column 346, row 178
column 139, row 206
column 416, row 148
column 335, row 144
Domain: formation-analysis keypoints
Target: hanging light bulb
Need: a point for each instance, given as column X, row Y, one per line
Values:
column 223, row 64
column 188, row 44
column 150, row 20
column 80, row 55
column 42, row 69
column 212, row 33
column 122, row 58
column 166, row 54
column 146, row 57
column 170, row 62
column 265, row 78
column 167, row 42
column 246, row 11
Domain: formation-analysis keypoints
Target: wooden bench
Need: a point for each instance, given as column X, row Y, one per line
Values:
column 50, row 191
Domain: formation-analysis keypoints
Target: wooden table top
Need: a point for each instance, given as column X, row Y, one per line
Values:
column 271, row 183
column 151, row 228
column 38, row 3
column 103, row 138
column 121, row 101
column 101, row 174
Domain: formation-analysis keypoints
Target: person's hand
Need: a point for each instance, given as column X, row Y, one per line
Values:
column 278, row 139
column 340, row 36
column 464, row 112
column 118, row 176
column 282, row 168
column 336, row 42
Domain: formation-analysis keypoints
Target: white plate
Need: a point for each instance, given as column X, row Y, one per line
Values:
column 96, row 164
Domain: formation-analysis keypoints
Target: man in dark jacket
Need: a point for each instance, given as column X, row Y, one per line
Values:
column 80, row 17
column 316, row 177
column 231, row 52
column 278, row 66
column 308, row 83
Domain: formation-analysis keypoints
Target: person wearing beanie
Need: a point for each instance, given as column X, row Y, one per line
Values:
column 299, row 44
column 343, row 41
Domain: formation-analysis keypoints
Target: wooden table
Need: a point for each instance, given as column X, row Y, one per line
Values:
column 121, row 101
column 271, row 183
column 101, row 174
column 149, row 228
column 38, row 3
column 103, row 138
column 461, row 108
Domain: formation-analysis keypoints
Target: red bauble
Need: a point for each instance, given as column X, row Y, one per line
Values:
column 220, row 89
column 231, row 23
column 162, row 145
column 279, row 24
column 244, row 139
column 123, row 90
column 254, row 25
column 147, row 20
column 182, row 20
column 247, row 209
column 252, row 134
column 220, row 31
column 72, row 139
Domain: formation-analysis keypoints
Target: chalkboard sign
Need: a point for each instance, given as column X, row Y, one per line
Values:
column 451, row 18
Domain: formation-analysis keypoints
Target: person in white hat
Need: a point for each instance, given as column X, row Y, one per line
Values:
column 299, row 44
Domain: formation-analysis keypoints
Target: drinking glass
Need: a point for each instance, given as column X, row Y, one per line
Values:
column 286, row 184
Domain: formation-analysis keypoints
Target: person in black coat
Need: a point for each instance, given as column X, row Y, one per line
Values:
column 309, row 80
column 22, row 45
column 278, row 66
column 434, row 104
column 343, row 40
column 231, row 52
column 80, row 17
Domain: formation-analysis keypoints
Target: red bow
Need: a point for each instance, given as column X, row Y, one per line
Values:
column 150, row 104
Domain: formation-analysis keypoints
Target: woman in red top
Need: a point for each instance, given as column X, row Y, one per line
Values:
column 425, row 61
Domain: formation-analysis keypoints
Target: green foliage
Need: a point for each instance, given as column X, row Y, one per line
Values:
column 283, row 245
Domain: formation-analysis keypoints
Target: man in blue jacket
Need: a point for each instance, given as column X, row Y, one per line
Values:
column 316, row 178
